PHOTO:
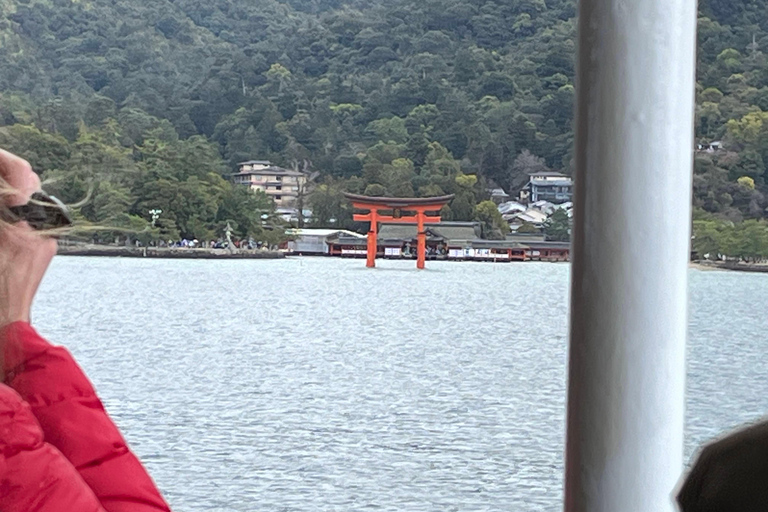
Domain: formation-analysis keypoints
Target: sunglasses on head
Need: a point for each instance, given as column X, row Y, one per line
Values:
column 42, row 212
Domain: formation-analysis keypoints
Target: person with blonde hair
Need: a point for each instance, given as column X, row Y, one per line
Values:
column 59, row 450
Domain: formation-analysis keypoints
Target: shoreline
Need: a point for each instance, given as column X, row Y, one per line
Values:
column 167, row 252
column 201, row 253
column 707, row 266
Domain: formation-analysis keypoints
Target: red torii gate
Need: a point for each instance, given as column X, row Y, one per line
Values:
column 419, row 205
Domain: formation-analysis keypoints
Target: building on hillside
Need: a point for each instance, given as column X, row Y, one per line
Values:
column 511, row 207
column 550, row 186
column 530, row 216
column 536, row 214
column 710, row 147
column 282, row 185
column 544, row 207
column 498, row 195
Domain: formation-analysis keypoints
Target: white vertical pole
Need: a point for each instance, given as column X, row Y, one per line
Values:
column 634, row 146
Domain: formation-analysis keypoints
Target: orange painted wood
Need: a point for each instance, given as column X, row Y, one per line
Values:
column 422, row 242
column 421, row 218
column 372, row 240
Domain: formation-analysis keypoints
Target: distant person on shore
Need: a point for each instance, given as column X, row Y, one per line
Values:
column 59, row 451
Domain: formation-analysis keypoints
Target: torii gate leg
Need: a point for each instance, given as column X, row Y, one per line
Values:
column 422, row 241
column 372, row 241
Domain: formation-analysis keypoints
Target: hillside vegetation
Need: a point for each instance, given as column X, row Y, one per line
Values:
column 155, row 100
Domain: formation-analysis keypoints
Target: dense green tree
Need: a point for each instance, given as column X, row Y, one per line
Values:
column 329, row 207
column 713, row 239
column 494, row 226
column 558, row 226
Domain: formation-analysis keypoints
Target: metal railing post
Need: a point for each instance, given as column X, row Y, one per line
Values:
column 631, row 237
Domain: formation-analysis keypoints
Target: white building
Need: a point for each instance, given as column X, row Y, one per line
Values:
column 550, row 186
column 282, row 185
column 315, row 241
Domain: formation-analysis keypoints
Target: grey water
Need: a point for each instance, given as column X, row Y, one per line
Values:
column 317, row 384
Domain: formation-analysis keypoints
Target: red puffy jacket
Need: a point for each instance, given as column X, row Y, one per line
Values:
column 60, row 450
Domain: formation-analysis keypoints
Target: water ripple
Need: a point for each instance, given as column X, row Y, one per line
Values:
column 315, row 384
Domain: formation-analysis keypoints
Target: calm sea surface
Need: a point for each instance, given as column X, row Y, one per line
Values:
column 316, row 384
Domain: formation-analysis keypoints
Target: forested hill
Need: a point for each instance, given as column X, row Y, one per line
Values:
column 398, row 95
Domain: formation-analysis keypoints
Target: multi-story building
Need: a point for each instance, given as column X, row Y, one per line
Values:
column 549, row 186
column 282, row 185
